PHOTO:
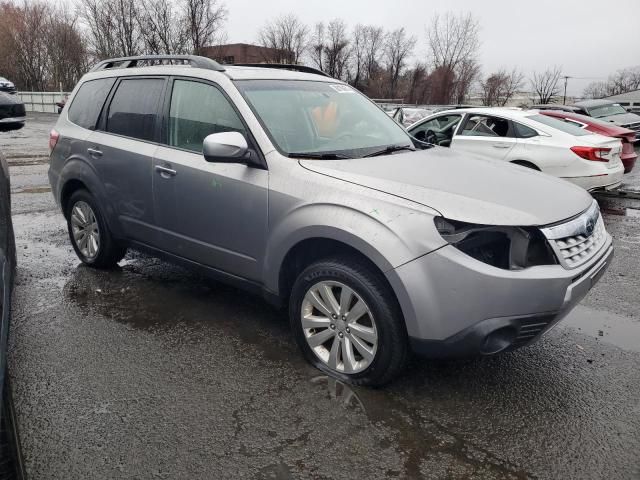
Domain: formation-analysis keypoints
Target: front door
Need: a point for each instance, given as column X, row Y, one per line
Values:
column 486, row 136
column 215, row 214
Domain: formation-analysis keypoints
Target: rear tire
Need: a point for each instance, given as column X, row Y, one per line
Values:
column 89, row 233
column 347, row 322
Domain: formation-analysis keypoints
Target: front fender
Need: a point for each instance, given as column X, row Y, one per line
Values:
column 380, row 237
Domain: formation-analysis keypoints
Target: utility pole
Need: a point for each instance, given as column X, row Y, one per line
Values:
column 564, row 97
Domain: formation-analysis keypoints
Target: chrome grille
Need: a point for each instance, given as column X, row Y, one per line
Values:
column 577, row 241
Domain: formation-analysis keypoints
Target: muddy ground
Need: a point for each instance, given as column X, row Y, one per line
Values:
column 154, row 372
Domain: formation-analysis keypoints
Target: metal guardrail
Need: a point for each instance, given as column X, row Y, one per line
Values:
column 41, row 101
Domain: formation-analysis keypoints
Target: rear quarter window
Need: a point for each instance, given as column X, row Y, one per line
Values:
column 87, row 104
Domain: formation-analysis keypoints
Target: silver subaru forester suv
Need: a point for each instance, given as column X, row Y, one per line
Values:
column 291, row 184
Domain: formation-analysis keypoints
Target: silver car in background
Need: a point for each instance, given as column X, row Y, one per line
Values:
column 294, row 185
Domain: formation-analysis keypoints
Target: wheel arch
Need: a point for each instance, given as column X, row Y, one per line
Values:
column 527, row 164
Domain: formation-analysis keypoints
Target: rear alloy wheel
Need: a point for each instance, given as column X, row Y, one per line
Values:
column 85, row 230
column 89, row 233
column 347, row 322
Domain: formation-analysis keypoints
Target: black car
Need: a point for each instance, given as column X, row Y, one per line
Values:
column 10, row 459
column 12, row 112
column 7, row 86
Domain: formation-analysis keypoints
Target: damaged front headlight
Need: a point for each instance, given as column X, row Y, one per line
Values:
column 506, row 247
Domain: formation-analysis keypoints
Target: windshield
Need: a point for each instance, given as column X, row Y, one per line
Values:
column 321, row 118
column 559, row 125
column 607, row 110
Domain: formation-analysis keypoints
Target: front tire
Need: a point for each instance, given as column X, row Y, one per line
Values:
column 89, row 233
column 347, row 322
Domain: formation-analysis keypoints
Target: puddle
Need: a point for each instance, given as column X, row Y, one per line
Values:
column 42, row 189
column 623, row 332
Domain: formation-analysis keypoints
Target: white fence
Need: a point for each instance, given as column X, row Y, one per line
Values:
column 41, row 101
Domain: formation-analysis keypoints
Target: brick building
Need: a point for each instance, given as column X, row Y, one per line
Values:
column 241, row 53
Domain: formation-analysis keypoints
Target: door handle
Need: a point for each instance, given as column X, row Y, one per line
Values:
column 165, row 172
column 94, row 152
column 501, row 145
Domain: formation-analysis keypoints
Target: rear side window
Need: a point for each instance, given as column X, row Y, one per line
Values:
column 134, row 108
column 559, row 125
column 87, row 103
column 197, row 110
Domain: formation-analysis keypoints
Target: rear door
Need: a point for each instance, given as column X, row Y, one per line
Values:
column 485, row 135
column 122, row 151
column 213, row 213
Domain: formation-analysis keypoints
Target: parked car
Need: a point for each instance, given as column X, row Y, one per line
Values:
column 295, row 186
column 12, row 112
column 10, row 458
column 407, row 115
column 609, row 111
column 62, row 103
column 530, row 139
column 7, row 86
column 626, row 136
column 555, row 106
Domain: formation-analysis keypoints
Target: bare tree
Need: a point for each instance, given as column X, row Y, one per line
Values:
column 287, row 36
column 499, row 87
column 112, row 27
column 374, row 41
column 163, row 28
column 358, row 39
column 596, row 90
column 545, row 85
column 316, row 46
column 204, row 20
column 397, row 50
column 66, row 51
column 41, row 47
column 453, row 42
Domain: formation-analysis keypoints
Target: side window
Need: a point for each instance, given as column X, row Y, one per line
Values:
column 443, row 123
column 486, row 126
column 87, row 103
column 134, row 108
column 523, row 131
column 197, row 110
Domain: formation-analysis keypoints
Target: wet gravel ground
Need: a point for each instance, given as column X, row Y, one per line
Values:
column 151, row 371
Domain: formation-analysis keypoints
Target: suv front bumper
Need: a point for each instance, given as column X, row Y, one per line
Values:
column 455, row 305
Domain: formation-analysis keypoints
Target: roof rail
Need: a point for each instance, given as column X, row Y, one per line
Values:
column 131, row 62
column 284, row 66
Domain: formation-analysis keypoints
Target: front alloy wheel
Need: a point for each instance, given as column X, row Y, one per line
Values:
column 339, row 327
column 347, row 321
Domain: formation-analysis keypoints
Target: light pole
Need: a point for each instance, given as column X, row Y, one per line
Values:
column 564, row 97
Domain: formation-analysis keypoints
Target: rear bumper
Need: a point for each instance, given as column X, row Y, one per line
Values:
column 608, row 179
column 454, row 306
column 13, row 120
column 629, row 160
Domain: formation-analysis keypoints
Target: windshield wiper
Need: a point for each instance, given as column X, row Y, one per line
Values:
column 390, row 149
column 318, row 155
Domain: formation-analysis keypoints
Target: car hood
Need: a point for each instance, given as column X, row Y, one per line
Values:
column 462, row 187
column 622, row 118
column 6, row 99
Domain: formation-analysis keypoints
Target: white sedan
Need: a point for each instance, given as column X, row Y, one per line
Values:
column 527, row 138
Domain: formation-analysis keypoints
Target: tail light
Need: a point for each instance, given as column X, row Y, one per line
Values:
column 53, row 140
column 591, row 153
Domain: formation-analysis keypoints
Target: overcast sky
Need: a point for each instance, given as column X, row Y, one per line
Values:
column 588, row 38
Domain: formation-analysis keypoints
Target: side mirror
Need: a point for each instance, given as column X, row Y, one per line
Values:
column 225, row 147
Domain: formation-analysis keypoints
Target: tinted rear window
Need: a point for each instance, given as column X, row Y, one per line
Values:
column 559, row 125
column 87, row 103
column 134, row 108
